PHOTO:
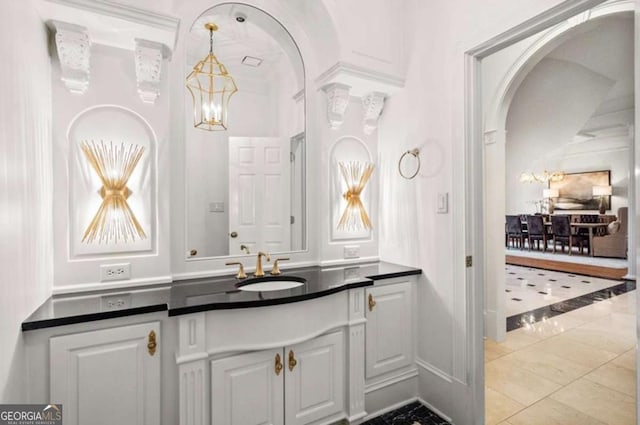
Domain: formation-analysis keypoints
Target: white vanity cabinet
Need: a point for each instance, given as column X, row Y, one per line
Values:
column 391, row 373
column 108, row 376
column 296, row 363
column 389, row 329
column 297, row 384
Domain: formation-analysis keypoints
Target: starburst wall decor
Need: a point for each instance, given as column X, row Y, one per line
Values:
column 356, row 175
column 114, row 221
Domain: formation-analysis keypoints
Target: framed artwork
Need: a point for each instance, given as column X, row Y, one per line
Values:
column 576, row 190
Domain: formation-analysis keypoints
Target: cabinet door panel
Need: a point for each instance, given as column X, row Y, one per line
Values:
column 245, row 390
column 314, row 389
column 107, row 376
column 389, row 329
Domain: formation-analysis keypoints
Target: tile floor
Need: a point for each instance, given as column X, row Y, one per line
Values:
column 528, row 288
column 578, row 368
column 411, row 414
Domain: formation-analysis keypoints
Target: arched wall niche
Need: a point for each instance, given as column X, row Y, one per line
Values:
column 347, row 149
column 114, row 126
column 313, row 30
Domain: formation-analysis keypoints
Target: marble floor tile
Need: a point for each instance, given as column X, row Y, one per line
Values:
column 591, row 312
column 521, row 385
column 519, row 339
column 610, row 339
column 549, row 366
column 499, row 407
column 627, row 359
column 616, row 377
column 552, row 326
column 494, row 350
column 551, row 412
column 574, row 350
column 598, row 401
column 530, row 288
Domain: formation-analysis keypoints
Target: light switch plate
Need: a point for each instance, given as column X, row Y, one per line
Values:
column 443, row 203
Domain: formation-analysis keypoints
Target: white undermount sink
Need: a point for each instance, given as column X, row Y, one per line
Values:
column 271, row 284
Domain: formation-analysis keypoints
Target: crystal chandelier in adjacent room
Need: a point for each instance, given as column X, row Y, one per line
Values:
column 211, row 87
column 545, row 177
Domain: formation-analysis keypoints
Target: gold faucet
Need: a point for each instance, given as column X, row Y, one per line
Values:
column 241, row 274
column 276, row 267
column 259, row 271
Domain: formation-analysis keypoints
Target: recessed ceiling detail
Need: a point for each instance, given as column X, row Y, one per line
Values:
column 251, row 61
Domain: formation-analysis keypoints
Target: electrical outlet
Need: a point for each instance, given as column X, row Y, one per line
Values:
column 116, row 302
column 110, row 272
column 352, row 251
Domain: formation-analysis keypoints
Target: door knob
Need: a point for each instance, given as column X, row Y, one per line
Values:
column 233, row 234
column 278, row 365
column 372, row 302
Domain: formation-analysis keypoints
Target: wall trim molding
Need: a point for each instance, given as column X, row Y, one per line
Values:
column 101, row 286
column 343, row 262
column 408, row 374
column 362, row 80
column 434, row 370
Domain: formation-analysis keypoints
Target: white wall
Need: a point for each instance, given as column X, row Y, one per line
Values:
column 550, row 107
column 430, row 111
column 25, row 186
column 112, row 82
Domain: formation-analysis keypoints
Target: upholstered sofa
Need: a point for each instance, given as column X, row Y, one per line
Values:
column 614, row 243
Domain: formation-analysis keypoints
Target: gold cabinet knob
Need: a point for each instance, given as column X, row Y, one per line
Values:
column 278, row 365
column 151, row 343
column 372, row 302
column 292, row 360
column 233, row 234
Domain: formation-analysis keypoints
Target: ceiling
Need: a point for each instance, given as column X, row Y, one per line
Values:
column 605, row 46
column 259, row 36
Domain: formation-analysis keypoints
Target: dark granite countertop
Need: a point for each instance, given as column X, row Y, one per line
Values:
column 195, row 295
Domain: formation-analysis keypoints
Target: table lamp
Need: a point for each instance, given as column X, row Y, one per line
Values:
column 602, row 191
column 549, row 194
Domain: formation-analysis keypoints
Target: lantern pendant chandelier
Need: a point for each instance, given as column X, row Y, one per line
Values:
column 211, row 87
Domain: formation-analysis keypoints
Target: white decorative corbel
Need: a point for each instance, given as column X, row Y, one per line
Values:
column 74, row 50
column 337, row 102
column 372, row 104
column 148, row 55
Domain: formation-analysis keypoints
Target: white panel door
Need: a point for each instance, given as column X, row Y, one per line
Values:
column 247, row 390
column 389, row 331
column 259, row 194
column 107, row 376
column 315, row 379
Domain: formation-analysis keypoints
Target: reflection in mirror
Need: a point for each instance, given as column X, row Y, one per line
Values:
column 245, row 187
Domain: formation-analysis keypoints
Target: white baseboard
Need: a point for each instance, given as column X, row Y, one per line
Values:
column 390, row 408
column 411, row 373
column 436, row 411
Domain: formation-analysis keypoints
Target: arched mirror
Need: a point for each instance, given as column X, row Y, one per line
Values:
column 245, row 186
